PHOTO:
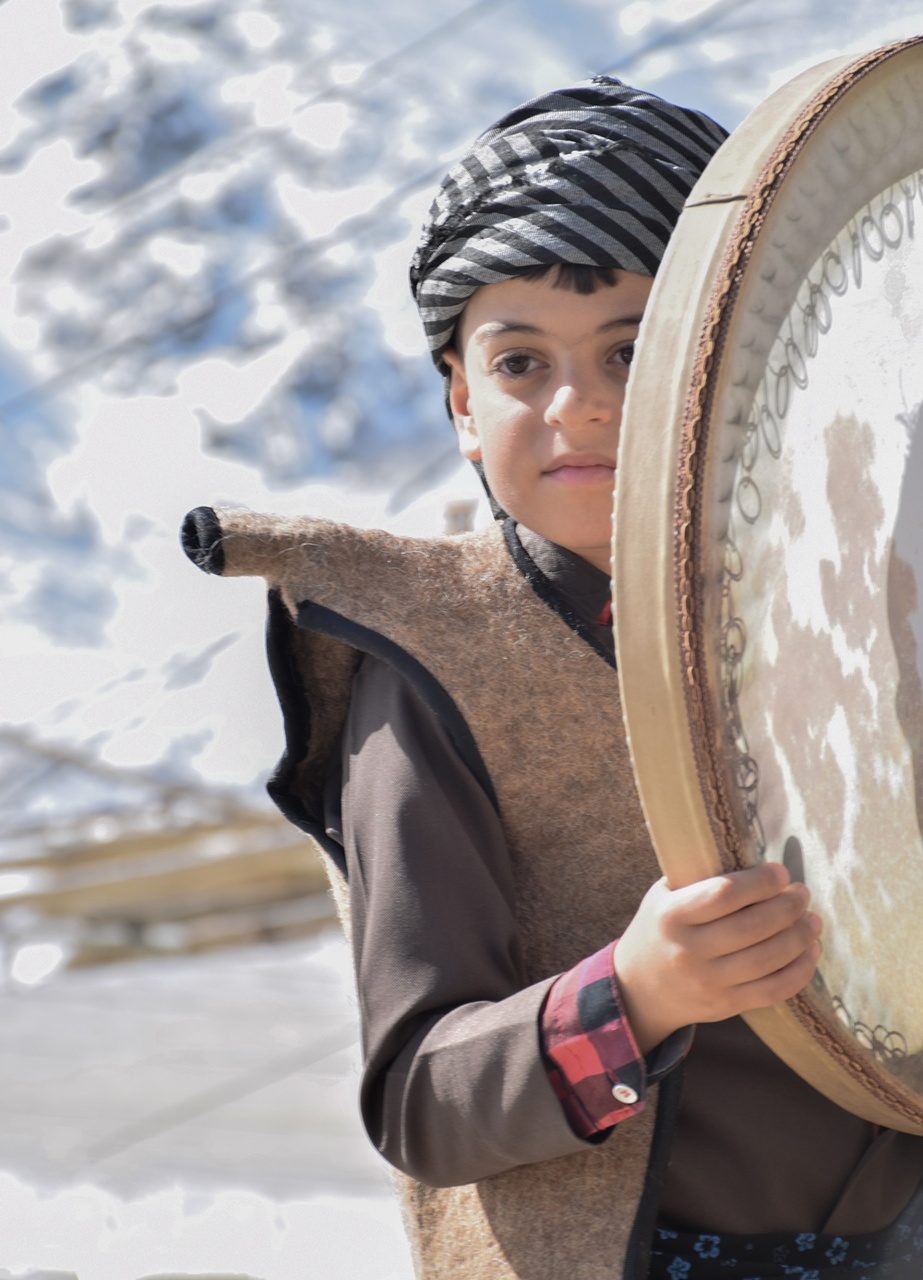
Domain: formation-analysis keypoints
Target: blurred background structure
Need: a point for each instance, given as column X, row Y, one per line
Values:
column 207, row 208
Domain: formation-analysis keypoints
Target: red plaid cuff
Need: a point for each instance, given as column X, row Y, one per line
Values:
column 593, row 1063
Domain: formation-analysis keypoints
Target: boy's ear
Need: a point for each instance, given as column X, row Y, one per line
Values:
column 469, row 445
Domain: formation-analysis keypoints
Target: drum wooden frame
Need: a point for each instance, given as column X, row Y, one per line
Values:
column 831, row 164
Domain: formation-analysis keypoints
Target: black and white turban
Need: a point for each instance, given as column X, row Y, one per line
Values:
column 594, row 174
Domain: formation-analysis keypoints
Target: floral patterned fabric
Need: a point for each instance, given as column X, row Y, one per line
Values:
column 893, row 1254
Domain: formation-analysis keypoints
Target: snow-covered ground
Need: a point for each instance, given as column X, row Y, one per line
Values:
column 192, row 1116
column 206, row 213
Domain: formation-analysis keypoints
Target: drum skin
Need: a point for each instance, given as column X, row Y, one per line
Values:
column 767, row 555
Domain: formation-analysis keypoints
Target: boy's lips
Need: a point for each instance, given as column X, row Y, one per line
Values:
column 581, row 468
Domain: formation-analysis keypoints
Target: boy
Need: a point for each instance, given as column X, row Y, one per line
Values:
column 522, row 1071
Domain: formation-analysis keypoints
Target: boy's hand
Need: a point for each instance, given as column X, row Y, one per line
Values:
column 715, row 949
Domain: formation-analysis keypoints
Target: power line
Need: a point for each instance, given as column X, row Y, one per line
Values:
column 76, row 372
column 678, row 34
column 339, row 93
column 352, row 228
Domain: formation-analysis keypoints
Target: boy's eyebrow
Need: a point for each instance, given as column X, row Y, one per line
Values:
column 496, row 328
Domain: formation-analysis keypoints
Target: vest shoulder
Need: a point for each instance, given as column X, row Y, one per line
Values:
column 310, row 558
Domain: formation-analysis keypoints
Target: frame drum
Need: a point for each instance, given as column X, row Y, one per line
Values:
column 769, row 553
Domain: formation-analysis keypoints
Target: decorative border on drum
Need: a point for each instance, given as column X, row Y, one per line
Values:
column 832, row 1035
column 688, row 506
column 707, row 733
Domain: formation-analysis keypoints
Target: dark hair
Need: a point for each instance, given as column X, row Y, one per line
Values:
column 578, row 277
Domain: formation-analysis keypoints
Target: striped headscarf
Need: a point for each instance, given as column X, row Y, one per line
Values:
column 594, row 174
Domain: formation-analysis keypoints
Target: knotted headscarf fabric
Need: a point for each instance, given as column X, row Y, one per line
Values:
column 594, row 174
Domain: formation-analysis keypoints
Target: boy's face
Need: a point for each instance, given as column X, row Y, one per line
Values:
column 538, row 383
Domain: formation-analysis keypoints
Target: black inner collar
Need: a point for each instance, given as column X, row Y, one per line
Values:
column 574, row 589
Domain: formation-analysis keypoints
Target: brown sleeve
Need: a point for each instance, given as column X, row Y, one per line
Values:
column 454, row 1087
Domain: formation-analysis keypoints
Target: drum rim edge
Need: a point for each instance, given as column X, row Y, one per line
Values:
column 660, row 731
column 900, row 1104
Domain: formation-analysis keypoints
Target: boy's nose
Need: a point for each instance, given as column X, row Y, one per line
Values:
column 574, row 403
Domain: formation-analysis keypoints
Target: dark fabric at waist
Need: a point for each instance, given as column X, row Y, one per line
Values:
column 757, row 1150
column 896, row 1252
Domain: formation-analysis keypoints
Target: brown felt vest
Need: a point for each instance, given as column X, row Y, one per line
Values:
column 543, row 708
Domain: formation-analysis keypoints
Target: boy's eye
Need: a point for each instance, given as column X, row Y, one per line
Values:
column 515, row 364
column 624, row 355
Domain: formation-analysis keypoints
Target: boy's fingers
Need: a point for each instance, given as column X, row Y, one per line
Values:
column 761, row 921
column 781, row 985
column 720, row 896
column 771, row 955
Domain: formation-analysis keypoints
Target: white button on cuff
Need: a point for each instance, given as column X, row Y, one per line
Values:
column 624, row 1093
